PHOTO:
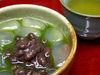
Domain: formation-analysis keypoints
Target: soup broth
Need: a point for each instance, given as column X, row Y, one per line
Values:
column 90, row 7
column 42, row 30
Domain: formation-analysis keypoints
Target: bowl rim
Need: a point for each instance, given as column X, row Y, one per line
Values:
column 78, row 13
column 55, row 13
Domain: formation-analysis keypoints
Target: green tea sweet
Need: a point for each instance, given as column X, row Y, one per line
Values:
column 42, row 30
column 90, row 7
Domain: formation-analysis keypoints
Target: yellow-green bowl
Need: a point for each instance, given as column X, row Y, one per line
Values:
column 46, row 14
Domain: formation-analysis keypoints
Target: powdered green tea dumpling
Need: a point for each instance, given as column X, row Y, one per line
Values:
column 30, row 22
column 25, row 31
column 60, row 52
column 53, row 35
column 6, row 38
column 9, row 25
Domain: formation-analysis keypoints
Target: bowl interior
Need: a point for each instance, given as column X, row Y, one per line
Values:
column 46, row 14
column 65, row 4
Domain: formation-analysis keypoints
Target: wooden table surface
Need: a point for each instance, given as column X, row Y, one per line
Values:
column 87, row 59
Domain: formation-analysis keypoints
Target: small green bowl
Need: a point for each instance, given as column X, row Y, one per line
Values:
column 46, row 14
column 86, row 26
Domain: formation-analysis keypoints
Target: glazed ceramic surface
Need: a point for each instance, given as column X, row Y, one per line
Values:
column 86, row 26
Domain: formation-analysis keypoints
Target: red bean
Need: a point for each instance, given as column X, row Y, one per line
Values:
column 31, row 36
column 19, row 72
column 41, row 59
column 13, row 60
column 33, row 60
column 14, row 67
column 18, row 53
column 44, row 41
column 30, row 43
column 29, row 72
column 30, row 54
column 30, row 65
column 47, row 52
column 22, row 43
column 22, row 58
column 43, row 72
column 37, row 48
column 17, row 38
